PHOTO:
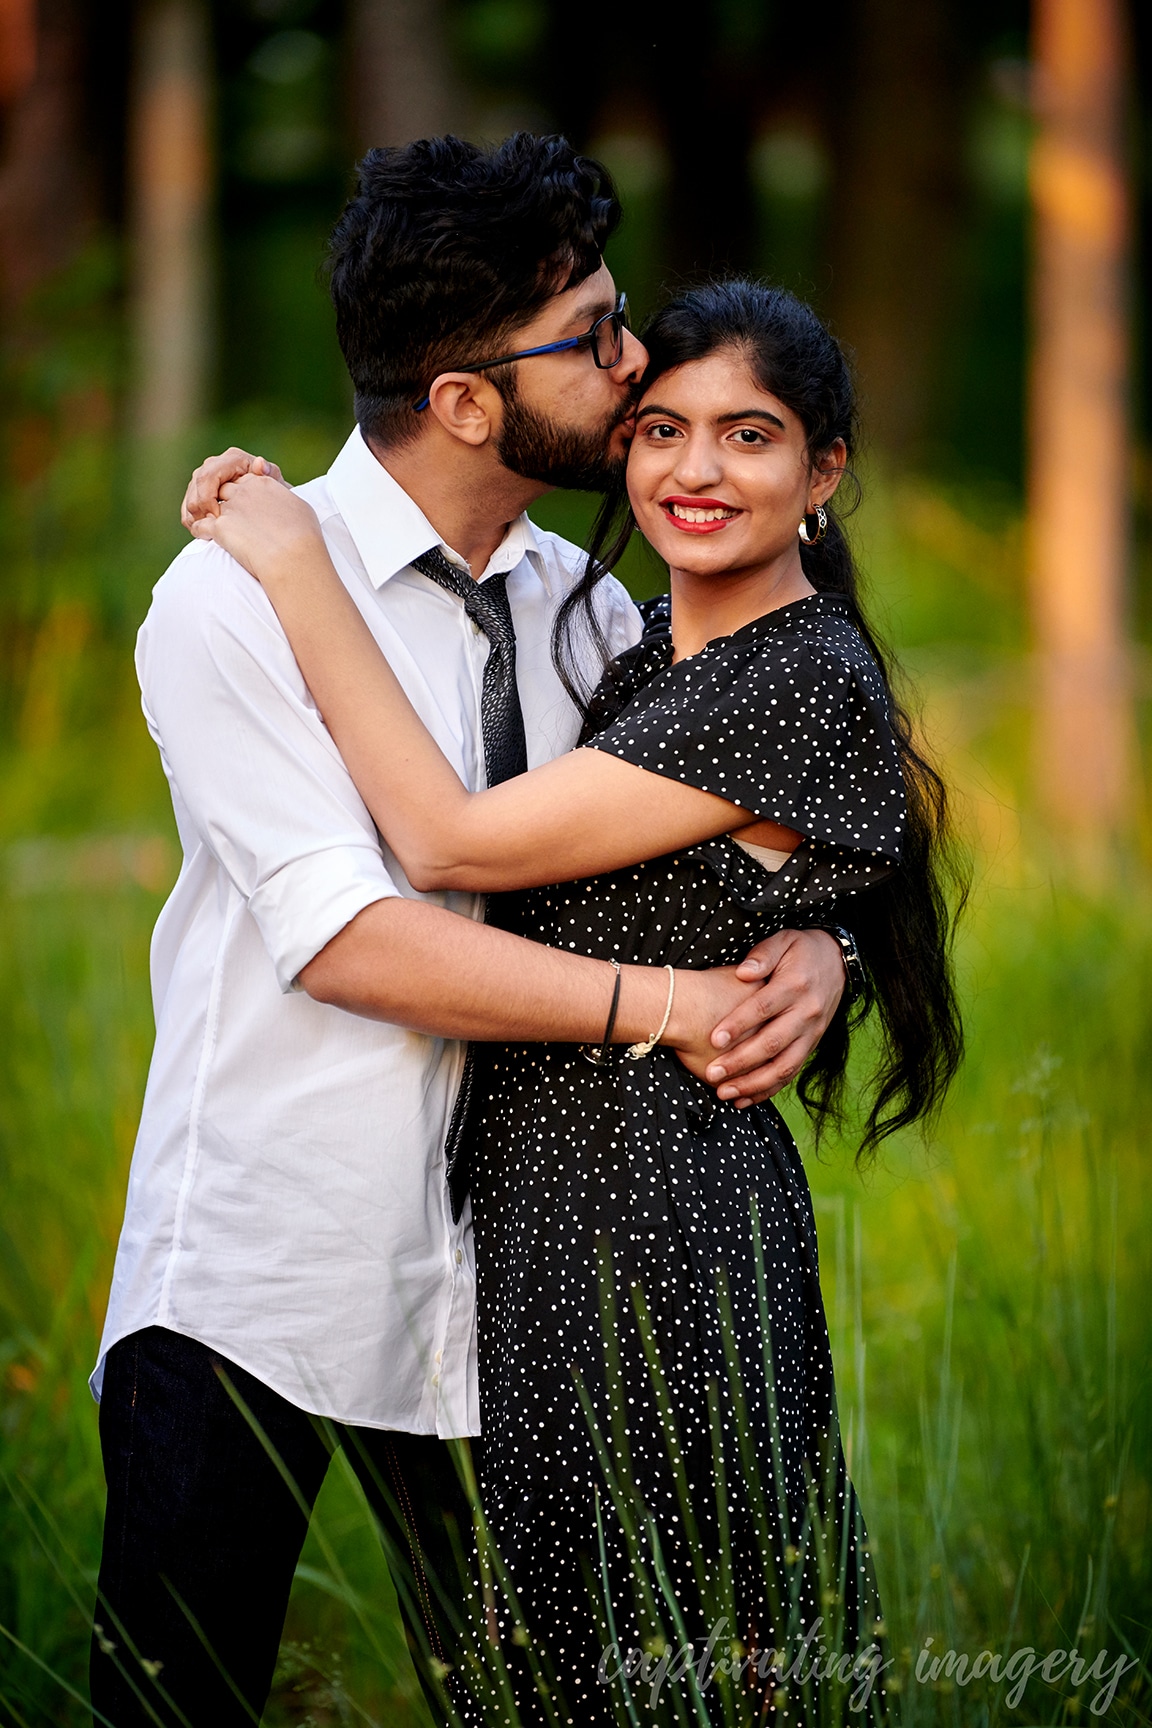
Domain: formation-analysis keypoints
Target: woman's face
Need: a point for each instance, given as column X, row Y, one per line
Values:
column 718, row 472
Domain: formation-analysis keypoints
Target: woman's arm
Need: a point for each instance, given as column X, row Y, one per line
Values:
column 580, row 815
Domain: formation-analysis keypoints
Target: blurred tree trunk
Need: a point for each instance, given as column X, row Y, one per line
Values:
column 402, row 84
column 704, row 88
column 17, row 47
column 1079, row 431
column 47, row 190
column 171, row 189
column 897, row 208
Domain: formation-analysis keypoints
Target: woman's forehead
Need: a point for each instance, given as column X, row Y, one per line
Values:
column 719, row 384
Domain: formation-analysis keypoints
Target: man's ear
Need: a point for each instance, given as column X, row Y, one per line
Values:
column 466, row 405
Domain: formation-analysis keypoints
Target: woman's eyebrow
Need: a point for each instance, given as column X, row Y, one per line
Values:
column 752, row 414
column 721, row 419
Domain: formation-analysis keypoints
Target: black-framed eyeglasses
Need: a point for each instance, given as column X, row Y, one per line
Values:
column 605, row 340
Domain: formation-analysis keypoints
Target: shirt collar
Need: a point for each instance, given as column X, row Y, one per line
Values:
column 390, row 529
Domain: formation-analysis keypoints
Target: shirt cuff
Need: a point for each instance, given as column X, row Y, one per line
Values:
column 305, row 904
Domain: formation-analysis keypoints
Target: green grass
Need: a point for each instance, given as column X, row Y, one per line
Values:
column 1011, row 1418
column 988, row 1294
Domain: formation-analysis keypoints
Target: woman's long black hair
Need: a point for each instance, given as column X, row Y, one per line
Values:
column 904, row 926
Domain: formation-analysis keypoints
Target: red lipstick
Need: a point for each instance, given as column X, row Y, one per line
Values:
column 671, row 504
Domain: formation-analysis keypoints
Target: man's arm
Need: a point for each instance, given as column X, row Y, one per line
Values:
column 419, row 966
column 416, row 965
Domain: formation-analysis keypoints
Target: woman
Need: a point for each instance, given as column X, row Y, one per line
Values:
column 744, row 767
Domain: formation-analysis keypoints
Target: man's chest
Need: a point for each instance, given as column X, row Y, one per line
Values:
column 439, row 654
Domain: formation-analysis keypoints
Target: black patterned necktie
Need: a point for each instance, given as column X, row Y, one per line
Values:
column 486, row 603
column 505, row 755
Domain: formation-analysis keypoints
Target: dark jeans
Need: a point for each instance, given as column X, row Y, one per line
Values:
column 204, row 1528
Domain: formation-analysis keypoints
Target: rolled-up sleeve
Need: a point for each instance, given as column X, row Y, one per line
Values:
column 250, row 760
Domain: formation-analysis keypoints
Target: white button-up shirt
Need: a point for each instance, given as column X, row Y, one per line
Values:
column 286, row 1202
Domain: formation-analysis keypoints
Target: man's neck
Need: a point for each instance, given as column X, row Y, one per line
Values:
column 471, row 504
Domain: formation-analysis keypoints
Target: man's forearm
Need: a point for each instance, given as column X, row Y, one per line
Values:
column 434, row 971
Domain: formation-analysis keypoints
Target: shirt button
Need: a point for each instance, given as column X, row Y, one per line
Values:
column 435, row 1379
column 459, row 1255
column 439, row 1357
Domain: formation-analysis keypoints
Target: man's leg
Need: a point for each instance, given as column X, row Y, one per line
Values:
column 412, row 1484
column 201, row 1535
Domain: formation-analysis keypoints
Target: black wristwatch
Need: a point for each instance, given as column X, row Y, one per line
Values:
column 853, row 965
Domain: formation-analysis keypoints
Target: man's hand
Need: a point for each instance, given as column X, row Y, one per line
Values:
column 768, row 1038
column 203, row 495
column 698, row 1002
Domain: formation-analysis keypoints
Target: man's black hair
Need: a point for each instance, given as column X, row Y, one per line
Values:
column 446, row 250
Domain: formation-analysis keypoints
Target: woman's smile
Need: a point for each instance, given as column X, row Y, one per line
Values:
column 699, row 515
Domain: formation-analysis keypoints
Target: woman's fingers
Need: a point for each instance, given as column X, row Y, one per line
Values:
column 204, row 489
column 762, row 1047
column 762, row 960
column 762, row 1082
column 760, row 1011
column 807, row 975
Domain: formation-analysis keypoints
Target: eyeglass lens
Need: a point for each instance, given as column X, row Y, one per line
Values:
column 610, row 338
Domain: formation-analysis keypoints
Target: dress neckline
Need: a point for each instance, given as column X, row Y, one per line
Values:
column 658, row 620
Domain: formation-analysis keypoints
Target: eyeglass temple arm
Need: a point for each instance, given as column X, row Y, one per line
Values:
column 585, row 338
column 506, row 360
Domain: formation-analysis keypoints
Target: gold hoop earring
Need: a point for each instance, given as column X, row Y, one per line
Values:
column 821, row 516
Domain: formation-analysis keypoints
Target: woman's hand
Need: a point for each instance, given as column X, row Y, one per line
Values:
column 203, row 495
column 762, row 1046
column 265, row 527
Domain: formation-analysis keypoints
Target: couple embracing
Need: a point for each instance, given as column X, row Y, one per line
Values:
column 505, row 908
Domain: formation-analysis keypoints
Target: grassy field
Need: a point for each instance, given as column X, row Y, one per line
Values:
column 988, row 1293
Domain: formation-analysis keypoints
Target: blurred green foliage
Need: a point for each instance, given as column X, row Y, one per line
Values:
column 986, row 1297
column 987, row 1293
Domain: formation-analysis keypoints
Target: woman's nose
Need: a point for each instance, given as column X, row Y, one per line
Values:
column 698, row 464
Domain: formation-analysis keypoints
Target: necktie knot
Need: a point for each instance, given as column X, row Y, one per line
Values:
column 486, row 603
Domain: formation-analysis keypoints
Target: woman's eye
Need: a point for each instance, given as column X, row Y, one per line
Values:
column 748, row 435
column 664, row 431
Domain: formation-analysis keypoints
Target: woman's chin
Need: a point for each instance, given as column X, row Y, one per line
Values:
column 699, row 554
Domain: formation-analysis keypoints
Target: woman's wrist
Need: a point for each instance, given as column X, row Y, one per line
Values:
column 298, row 561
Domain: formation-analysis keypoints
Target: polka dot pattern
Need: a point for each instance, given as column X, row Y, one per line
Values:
column 788, row 717
column 567, row 1156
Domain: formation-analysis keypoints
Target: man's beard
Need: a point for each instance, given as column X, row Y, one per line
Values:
column 537, row 448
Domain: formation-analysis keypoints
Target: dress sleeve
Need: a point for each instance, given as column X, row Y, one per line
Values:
column 795, row 729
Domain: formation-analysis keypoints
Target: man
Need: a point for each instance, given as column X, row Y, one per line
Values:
column 292, row 1273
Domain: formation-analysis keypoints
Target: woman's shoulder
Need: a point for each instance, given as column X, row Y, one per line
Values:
column 657, row 615
column 813, row 644
column 818, row 623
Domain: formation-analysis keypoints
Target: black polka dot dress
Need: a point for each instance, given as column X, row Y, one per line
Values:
column 588, row 1183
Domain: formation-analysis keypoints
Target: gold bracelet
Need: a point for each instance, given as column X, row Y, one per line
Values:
column 636, row 1052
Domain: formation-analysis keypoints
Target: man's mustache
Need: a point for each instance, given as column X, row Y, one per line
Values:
column 627, row 407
